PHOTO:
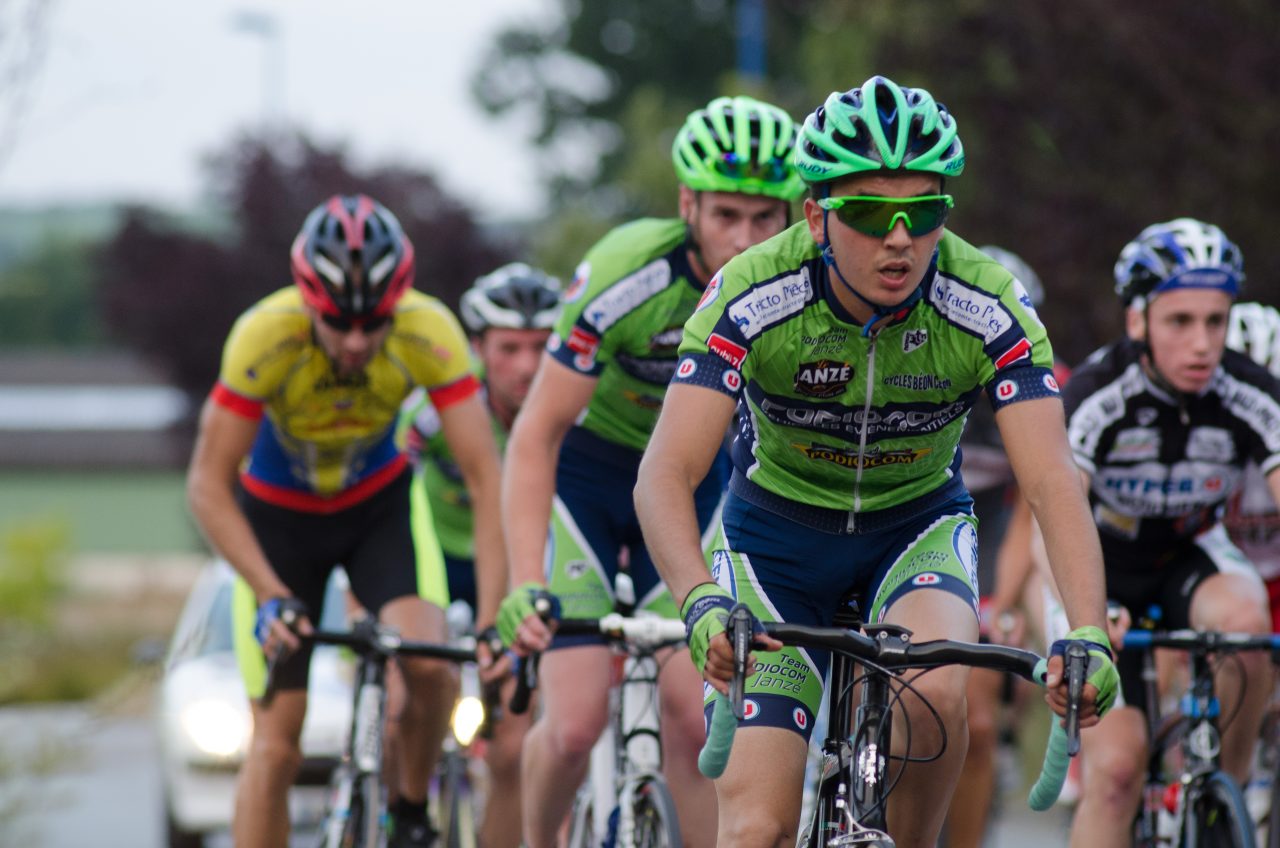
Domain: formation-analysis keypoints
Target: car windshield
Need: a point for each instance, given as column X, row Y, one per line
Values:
column 215, row 636
column 210, row 632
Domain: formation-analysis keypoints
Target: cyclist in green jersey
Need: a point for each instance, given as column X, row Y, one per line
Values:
column 509, row 314
column 853, row 345
column 574, row 451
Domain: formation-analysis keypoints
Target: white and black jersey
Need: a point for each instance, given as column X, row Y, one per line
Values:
column 1162, row 466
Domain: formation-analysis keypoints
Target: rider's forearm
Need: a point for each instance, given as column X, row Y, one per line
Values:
column 227, row 530
column 665, row 507
column 1013, row 558
column 528, row 487
column 490, row 556
column 1061, row 507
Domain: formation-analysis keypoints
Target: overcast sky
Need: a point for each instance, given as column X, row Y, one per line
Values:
column 130, row 93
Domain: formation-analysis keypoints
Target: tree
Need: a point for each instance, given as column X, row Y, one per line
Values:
column 1085, row 122
column 580, row 75
column 45, row 298
column 1082, row 122
column 173, row 294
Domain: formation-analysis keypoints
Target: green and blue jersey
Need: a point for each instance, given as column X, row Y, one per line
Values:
column 834, row 419
column 621, row 321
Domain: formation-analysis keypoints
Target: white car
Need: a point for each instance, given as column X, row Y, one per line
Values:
column 204, row 721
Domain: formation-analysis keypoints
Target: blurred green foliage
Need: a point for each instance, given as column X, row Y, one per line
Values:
column 109, row 512
column 48, row 653
column 33, row 565
column 1082, row 122
column 46, row 298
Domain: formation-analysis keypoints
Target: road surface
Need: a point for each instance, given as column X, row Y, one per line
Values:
column 92, row 778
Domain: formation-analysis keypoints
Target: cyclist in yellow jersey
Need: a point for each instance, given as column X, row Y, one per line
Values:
column 296, row 470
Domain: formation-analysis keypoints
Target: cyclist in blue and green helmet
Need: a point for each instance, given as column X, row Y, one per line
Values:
column 576, row 445
column 900, row 135
column 852, row 347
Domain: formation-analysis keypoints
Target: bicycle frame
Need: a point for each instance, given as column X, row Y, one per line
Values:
column 1202, row 739
column 359, row 774
column 629, row 750
column 861, row 761
column 628, row 755
column 362, row 760
column 851, row 801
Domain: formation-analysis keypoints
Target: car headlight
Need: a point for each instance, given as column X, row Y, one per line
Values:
column 468, row 716
column 216, row 728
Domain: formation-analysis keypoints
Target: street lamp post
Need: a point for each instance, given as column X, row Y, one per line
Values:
column 265, row 26
column 750, row 29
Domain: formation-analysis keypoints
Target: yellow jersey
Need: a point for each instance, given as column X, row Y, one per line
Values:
column 326, row 442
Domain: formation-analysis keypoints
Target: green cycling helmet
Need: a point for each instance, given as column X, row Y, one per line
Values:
column 881, row 126
column 738, row 144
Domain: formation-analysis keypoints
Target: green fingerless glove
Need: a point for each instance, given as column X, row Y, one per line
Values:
column 519, row 605
column 1101, row 671
column 705, row 612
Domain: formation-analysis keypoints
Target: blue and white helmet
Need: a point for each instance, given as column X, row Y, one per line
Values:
column 1254, row 330
column 1180, row 254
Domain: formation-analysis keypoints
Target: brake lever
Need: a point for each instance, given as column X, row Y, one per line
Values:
column 738, row 628
column 1076, row 658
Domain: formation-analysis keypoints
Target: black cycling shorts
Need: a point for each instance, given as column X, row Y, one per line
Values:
column 372, row 540
column 1169, row 586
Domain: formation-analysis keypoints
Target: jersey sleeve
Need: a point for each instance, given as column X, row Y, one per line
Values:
column 714, row 348
column 256, row 359
column 578, row 339
column 1257, row 400
column 439, row 357
column 1093, row 403
column 1017, row 358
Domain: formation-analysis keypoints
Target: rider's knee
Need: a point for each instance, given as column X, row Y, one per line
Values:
column 940, row 694
column 278, row 755
column 574, row 734
column 685, row 728
column 427, row 678
column 502, row 752
column 1114, row 775
column 982, row 727
column 757, row 827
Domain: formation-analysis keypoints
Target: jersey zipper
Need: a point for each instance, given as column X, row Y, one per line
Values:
column 851, row 525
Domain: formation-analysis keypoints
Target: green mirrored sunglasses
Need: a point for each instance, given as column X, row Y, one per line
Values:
column 877, row 216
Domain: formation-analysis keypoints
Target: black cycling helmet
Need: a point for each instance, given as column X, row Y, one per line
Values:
column 351, row 259
column 515, row 296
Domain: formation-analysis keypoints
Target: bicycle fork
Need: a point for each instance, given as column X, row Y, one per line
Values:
column 850, row 809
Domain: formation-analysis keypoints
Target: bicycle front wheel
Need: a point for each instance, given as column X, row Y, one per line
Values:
column 1273, row 816
column 582, row 823
column 458, row 818
column 1216, row 816
column 657, row 825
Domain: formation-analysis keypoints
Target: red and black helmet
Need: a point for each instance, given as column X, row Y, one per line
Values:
column 351, row 258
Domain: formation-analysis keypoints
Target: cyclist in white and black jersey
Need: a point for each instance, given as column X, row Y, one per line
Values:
column 1252, row 520
column 1162, row 424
